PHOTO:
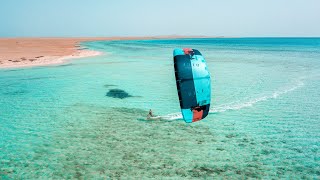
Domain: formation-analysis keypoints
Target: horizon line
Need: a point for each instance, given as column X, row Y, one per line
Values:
column 156, row 37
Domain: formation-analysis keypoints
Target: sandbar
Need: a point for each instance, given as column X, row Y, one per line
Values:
column 29, row 52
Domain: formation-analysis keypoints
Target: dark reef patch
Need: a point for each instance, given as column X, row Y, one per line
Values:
column 37, row 78
column 11, row 70
column 64, row 65
column 132, row 111
column 118, row 93
column 109, row 85
column 18, row 92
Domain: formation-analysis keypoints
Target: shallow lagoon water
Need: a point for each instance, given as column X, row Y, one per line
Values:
column 57, row 121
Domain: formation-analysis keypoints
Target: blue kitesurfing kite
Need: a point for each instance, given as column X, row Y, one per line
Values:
column 193, row 84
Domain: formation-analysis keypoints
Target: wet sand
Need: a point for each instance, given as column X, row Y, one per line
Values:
column 28, row 52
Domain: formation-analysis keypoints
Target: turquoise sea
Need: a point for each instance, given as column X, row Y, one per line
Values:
column 58, row 122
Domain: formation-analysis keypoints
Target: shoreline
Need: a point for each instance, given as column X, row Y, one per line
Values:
column 49, row 60
column 31, row 52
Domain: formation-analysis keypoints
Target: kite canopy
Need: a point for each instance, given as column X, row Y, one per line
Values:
column 193, row 84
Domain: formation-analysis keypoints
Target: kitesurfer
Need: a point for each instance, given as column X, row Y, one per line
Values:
column 151, row 116
column 150, row 113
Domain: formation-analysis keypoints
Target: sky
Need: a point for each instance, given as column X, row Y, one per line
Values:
column 93, row 18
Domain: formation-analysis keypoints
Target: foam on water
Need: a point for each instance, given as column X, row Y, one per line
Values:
column 247, row 103
column 252, row 101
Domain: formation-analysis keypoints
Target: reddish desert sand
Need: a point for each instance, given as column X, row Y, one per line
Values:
column 27, row 52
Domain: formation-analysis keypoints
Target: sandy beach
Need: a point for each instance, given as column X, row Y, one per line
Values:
column 28, row 52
